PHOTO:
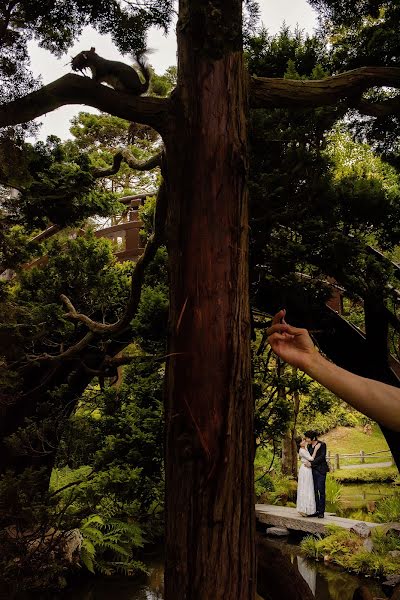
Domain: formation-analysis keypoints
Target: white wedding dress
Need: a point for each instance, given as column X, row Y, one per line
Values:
column 305, row 486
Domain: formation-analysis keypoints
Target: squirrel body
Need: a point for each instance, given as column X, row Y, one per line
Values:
column 117, row 74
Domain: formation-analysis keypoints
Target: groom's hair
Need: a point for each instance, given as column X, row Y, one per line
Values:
column 311, row 434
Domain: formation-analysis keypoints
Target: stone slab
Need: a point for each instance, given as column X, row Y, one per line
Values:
column 289, row 518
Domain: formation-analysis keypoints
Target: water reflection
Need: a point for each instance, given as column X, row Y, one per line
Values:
column 325, row 582
column 121, row 588
column 308, row 573
column 281, row 567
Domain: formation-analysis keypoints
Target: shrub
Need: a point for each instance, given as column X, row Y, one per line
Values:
column 388, row 509
column 346, row 549
column 380, row 475
column 309, row 545
column 369, row 563
column 263, row 485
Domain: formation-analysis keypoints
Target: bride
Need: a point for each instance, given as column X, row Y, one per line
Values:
column 305, row 483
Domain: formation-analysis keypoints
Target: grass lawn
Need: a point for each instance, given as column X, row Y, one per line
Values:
column 350, row 440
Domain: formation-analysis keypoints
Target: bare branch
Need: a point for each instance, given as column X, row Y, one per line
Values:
column 124, row 154
column 69, row 353
column 74, row 89
column 137, row 276
column 266, row 92
column 47, row 233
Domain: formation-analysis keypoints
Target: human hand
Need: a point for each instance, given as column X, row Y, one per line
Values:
column 291, row 344
column 308, row 464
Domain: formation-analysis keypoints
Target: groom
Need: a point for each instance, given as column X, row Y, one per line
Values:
column 319, row 468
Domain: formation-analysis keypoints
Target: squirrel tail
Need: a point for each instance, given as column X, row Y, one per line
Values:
column 144, row 69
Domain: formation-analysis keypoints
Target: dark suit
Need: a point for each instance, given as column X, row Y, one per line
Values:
column 319, row 470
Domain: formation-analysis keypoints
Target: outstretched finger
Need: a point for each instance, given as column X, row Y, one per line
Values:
column 279, row 315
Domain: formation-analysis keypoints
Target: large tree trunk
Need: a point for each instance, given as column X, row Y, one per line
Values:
column 210, row 550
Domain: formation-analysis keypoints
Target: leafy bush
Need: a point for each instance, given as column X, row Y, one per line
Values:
column 361, row 514
column 369, row 563
column 384, row 541
column 263, row 485
column 309, row 545
column 379, row 475
column 346, row 549
column 322, row 412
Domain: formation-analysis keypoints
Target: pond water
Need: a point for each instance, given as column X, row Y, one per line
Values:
column 358, row 496
column 325, row 583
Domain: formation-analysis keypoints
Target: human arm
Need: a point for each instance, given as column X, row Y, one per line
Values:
column 321, row 458
column 377, row 400
column 316, row 448
column 305, row 457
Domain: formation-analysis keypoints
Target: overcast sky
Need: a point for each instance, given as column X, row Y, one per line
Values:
column 273, row 13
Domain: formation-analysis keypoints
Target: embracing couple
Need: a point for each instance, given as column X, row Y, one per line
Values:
column 312, row 476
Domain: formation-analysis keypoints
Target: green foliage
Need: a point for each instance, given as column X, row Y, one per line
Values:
column 346, row 440
column 366, row 188
column 101, row 136
column 15, row 247
column 55, row 26
column 333, row 494
column 371, row 564
column 275, row 488
column 309, row 545
column 388, row 510
column 113, row 538
column 322, row 411
column 162, row 85
column 346, row 549
column 59, row 188
column 328, row 196
column 86, row 271
column 122, row 442
column 150, row 323
column 92, row 131
column 263, row 484
column 384, row 541
column 380, row 474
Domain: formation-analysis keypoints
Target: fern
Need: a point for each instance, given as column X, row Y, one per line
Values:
column 108, row 545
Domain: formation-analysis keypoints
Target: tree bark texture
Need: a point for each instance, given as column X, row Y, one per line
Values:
column 210, row 551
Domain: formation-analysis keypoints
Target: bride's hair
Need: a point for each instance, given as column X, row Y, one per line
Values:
column 298, row 441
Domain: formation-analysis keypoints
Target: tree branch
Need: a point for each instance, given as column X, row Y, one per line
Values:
column 266, row 92
column 69, row 353
column 74, row 89
column 137, row 276
column 124, row 154
column 380, row 109
column 47, row 233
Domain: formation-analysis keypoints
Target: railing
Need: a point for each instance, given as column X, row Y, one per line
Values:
column 334, row 460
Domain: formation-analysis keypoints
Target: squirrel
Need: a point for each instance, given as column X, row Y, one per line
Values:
column 118, row 75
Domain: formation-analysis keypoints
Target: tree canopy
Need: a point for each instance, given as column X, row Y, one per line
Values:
column 323, row 210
